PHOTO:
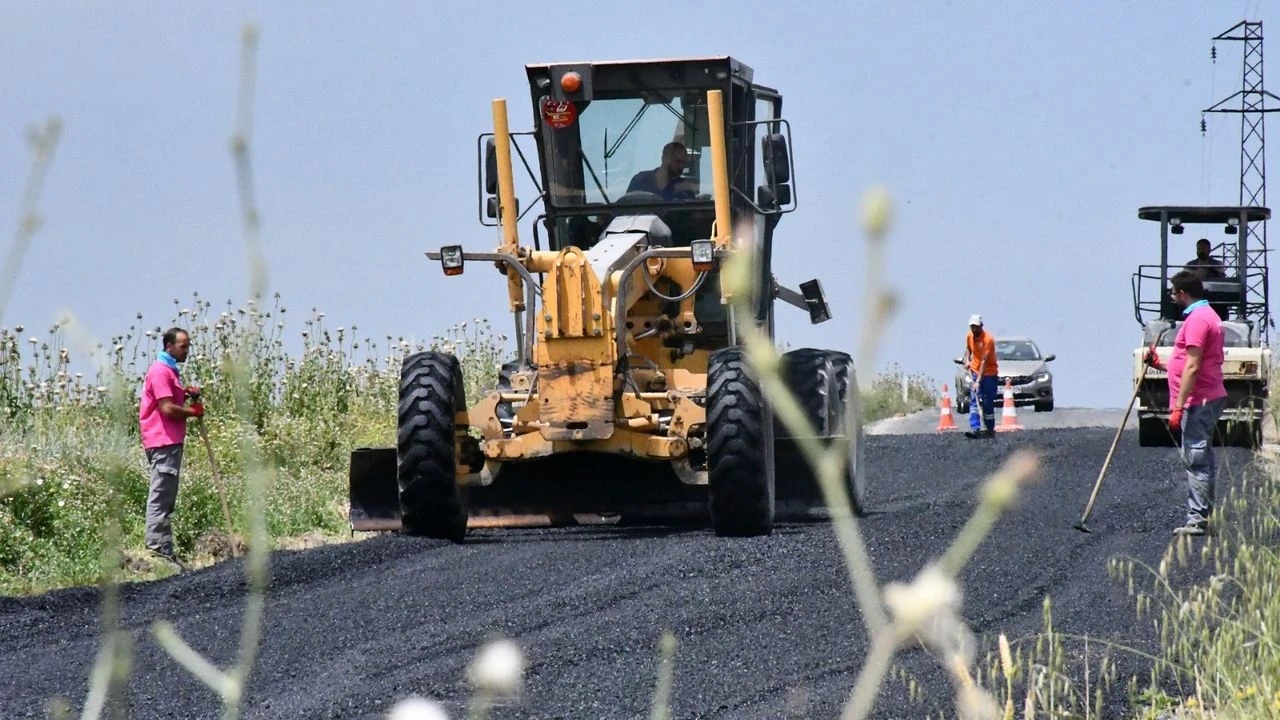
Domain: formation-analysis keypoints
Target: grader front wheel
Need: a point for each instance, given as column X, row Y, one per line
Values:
column 431, row 393
column 739, row 448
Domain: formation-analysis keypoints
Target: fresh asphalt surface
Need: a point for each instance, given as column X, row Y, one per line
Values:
column 764, row 625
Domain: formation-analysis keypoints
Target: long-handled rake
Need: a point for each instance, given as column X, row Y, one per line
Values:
column 1097, row 485
column 217, row 483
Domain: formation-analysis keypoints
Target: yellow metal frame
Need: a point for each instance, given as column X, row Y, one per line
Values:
column 580, row 405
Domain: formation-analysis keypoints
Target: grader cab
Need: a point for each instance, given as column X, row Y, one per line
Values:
column 630, row 396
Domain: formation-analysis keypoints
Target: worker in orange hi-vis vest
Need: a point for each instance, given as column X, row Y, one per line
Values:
column 980, row 356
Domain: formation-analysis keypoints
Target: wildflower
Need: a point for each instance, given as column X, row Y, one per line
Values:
column 416, row 708
column 930, row 592
column 33, row 340
column 876, row 210
column 62, row 503
column 497, row 668
column 973, row 702
column 17, row 329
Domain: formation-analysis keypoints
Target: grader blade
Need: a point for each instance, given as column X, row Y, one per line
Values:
column 372, row 489
column 559, row 491
column 585, row 489
column 797, row 491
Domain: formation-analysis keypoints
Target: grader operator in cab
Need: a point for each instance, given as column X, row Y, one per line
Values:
column 630, row 394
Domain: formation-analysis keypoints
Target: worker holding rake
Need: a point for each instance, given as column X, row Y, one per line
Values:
column 980, row 355
column 162, row 416
column 1197, row 395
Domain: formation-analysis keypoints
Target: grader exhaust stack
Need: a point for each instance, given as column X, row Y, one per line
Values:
column 630, row 395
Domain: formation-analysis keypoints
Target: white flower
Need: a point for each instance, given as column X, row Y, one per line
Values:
column 930, row 593
column 498, row 667
column 62, row 503
column 416, row 708
column 877, row 210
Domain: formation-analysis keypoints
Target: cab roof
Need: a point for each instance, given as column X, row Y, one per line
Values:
column 1204, row 214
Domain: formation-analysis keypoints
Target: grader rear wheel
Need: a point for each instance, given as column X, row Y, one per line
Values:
column 821, row 381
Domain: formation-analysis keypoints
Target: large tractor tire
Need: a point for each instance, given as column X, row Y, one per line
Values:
column 431, row 393
column 824, row 382
column 739, row 448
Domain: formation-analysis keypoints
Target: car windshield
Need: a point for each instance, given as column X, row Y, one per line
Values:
column 647, row 146
column 1014, row 350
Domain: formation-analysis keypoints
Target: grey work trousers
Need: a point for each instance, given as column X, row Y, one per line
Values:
column 166, row 465
column 1198, row 424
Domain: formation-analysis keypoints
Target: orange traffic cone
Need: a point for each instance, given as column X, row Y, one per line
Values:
column 1009, row 413
column 945, row 420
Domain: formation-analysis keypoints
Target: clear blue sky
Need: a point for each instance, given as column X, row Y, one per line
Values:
column 1018, row 141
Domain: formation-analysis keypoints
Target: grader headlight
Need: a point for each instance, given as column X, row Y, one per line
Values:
column 451, row 259
column 704, row 255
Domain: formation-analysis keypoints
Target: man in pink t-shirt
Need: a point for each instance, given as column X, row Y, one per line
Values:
column 1197, row 395
column 162, row 418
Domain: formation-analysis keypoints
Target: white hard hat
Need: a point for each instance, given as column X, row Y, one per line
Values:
column 975, row 319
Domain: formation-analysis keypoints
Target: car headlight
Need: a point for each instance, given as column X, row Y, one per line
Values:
column 1043, row 377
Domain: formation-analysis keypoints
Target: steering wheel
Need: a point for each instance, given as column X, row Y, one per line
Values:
column 640, row 196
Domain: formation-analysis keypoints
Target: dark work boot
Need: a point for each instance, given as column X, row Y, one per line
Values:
column 166, row 553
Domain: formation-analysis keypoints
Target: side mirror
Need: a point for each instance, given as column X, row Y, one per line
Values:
column 491, row 179
column 767, row 197
column 777, row 168
column 490, row 167
column 1050, row 358
column 775, row 192
column 491, row 206
column 958, row 361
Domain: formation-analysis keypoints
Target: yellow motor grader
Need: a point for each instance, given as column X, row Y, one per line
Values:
column 630, row 398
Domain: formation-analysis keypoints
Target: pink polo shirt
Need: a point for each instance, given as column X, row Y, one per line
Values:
column 1202, row 328
column 161, row 382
